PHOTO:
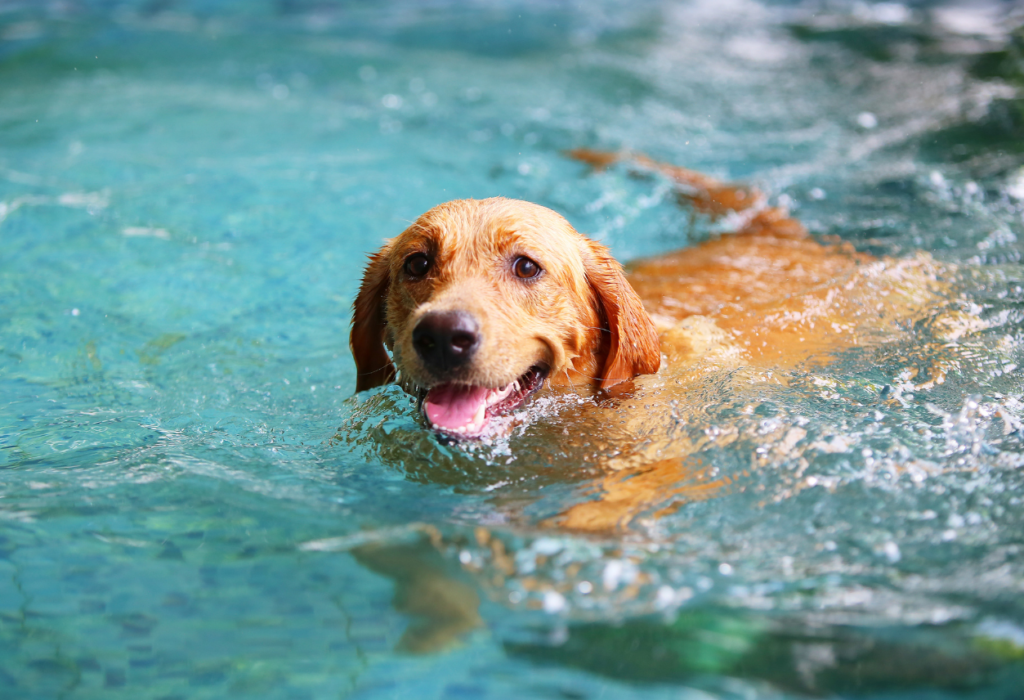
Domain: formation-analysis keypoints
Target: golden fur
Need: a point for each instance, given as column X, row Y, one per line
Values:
column 581, row 318
column 747, row 307
column 735, row 312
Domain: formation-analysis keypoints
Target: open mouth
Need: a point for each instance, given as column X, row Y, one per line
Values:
column 462, row 410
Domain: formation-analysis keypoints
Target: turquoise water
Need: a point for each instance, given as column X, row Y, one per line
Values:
column 187, row 194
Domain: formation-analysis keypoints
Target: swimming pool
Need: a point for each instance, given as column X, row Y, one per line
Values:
column 187, row 194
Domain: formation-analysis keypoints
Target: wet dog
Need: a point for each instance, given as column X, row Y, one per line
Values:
column 483, row 302
column 480, row 304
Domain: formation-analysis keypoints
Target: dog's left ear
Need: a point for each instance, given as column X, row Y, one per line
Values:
column 373, row 364
column 634, row 348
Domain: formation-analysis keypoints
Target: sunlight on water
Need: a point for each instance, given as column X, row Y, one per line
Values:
column 195, row 505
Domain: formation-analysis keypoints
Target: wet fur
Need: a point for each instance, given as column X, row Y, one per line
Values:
column 743, row 310
column 580, row 318
column 748, row 307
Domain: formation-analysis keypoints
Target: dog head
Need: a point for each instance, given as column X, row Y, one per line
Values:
column 483, row 302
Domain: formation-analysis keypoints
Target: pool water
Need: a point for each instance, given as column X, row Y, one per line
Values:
column 191, row 496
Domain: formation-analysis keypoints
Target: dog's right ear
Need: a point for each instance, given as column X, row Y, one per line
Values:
column 373, row 364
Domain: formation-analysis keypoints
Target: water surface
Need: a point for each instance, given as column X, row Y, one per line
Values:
column 187, row 194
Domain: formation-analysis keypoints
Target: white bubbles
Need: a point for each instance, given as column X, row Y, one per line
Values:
column 665, row 597
column 892, row 13
column 92, row 201
column 867, row 120
column 618, row 572
column 973, row 19
column 612, row 575
column 547, row 546
column 1015, row 185
column 553, row 602
column 757, row 49
column 891, row 551
column 145, row 232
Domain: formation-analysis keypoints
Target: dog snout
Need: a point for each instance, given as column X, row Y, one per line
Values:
column 446, row 340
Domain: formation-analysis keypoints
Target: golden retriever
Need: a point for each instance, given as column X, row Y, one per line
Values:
column 481, row 303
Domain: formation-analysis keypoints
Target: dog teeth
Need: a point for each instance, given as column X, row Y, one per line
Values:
column 498, row 394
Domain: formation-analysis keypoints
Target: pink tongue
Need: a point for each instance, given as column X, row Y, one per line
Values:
column 453, row 405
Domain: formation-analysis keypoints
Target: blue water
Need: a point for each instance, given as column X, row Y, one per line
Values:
column 187, row 194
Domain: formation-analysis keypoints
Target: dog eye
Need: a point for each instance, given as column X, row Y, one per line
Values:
column 525, row 268
column 417, row 264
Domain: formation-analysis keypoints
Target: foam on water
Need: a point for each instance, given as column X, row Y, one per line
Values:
column 187, row 194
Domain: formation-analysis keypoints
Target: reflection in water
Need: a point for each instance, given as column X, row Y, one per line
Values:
column 443, row 607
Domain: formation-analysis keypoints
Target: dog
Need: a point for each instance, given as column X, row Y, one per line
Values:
column 481, row 304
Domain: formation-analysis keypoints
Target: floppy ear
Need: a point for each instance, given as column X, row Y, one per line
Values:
column 634, row 348
column 373, row 364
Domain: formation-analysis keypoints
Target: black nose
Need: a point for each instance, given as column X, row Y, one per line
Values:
column 445, row 340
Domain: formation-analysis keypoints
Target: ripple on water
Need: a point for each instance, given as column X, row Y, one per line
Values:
column 186, row 473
